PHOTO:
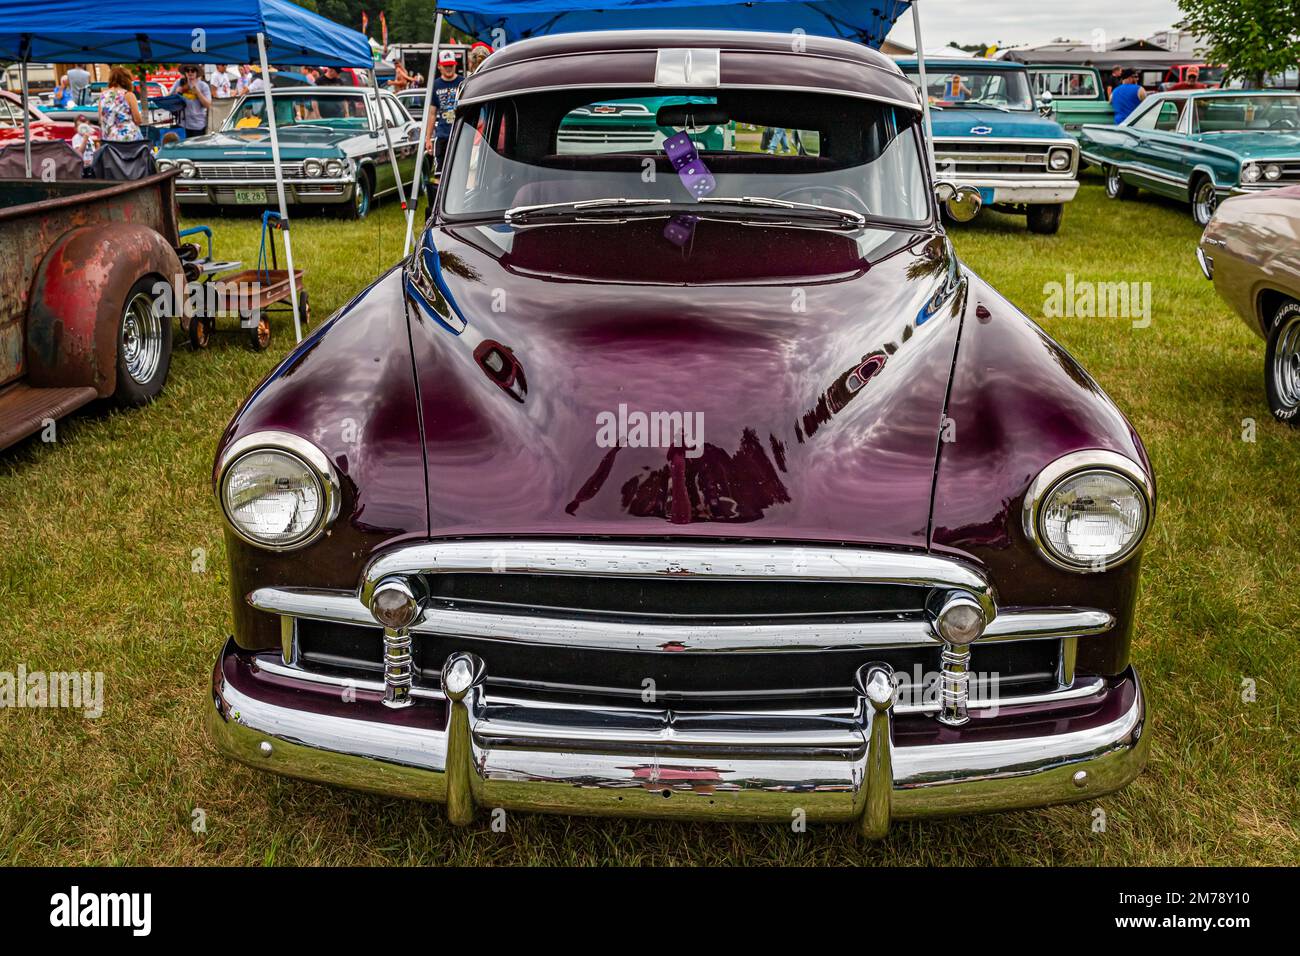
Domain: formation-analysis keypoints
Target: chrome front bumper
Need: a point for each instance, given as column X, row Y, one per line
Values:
column 1028, row 192
column 306, row 191
column 871, row 763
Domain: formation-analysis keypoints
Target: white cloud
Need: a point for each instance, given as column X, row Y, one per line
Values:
column 1019, row 22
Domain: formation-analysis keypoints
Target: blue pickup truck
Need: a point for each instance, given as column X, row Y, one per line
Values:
column 990, row 133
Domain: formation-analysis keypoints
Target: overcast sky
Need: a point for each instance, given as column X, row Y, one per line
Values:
column 1019, row 22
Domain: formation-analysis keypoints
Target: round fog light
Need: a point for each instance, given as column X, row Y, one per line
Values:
column 959, row 619
column 393, row 604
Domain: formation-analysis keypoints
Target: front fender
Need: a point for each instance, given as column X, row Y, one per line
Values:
column 77, row 299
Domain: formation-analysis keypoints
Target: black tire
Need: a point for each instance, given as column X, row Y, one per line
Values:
column 1282, row 365
column 1116, row 188
column 358, row 207
column 1045, row 220
column 144, row 346
column 1204, row 200
column 200, row 332
column 259, row 335
column 304, row 309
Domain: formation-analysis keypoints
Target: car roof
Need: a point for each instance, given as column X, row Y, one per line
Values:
column 1208, row 94
column 626, row 59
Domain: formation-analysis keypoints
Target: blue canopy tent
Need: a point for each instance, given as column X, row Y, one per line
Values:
column 499, row 22
column 163, row 31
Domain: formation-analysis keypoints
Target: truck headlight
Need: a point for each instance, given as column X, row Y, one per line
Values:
column 1250, row 173
column 278, row 491
column 1089, row 511
column 313, row 167
column 334, row 168
column 1059, row 160
column 1272, row 172
column 188, row 169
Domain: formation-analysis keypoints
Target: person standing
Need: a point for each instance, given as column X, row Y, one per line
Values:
column 437, row 125
column 1113, row 79
column 244, row 80
column 119, row 110
column 220, row 83
column 198, row 97
column 1127, row 96
column 79, row 85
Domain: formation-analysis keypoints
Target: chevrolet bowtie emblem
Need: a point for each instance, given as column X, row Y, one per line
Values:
column 981, row 130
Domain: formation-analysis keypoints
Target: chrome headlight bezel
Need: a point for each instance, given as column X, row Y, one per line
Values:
column 1272, row 172
column 165, row 164
column 1251, row 173
column 188, row 169
column 303, row 452
column 1074, row 465
column 334, row 168
column 1065, row 151
column 313, row 168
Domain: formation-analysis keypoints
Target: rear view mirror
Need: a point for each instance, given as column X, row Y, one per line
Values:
column 961, row 203
column 695, row 115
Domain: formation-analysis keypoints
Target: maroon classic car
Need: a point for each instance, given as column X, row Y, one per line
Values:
column 663, row 481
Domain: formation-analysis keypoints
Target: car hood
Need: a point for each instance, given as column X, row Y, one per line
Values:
column 962, row 121
column 808, row 369
column 296, row 142
column 1254, row 144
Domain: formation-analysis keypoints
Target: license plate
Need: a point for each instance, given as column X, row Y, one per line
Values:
column 986, row 195
column 250, row 196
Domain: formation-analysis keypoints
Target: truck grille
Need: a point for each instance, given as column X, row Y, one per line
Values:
column 967, row 158
column 245, row 171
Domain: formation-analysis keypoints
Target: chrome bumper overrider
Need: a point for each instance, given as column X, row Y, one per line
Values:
column 866, row 763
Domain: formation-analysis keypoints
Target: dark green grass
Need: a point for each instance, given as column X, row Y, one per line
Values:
column 99, row 530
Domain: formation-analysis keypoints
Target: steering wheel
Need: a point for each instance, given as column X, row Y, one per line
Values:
column 855, row 201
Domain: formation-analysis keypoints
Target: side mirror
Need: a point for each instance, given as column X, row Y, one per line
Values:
column 962, row 203
column 1045, row 107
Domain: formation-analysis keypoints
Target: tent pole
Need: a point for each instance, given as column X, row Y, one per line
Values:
column 424, row 122
column 27, row 120
column 925, row 90
column 388, row 137
column 279, row 182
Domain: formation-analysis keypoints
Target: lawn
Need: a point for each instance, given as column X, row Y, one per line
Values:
column 112, row 561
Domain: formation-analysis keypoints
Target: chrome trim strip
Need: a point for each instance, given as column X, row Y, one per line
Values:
column 1082, row 688
column 1014, row 625
column 719, row 562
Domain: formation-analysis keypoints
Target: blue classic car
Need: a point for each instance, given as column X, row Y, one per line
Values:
column 332, row 144
column 989, row 133
column 1200, row 146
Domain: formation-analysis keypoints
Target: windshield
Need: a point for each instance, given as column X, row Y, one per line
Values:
column 952, row 89
column 742, row 154
column 1226, row 114
column 342, row 111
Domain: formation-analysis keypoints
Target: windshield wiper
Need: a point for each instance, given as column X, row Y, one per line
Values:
column 521, row 213
column 847, row 216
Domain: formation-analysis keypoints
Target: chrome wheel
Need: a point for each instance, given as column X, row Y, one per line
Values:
column 1286, row 363
column 1114, row 185
column 1205, row 202
column 141, row 339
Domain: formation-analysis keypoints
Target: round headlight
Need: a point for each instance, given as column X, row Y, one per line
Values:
column 1059, row 160
column 277, row 490
column 1089, row 511
column 188, row 170
column 165, row 164
column 1250, row 173
column 334, row 168
column 313, row 167
column 1272, row 172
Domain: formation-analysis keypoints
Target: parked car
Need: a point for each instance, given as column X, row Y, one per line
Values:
column 989, row 134
column 629, row 124
column 662, row 483
column 413, row 100
column 331, row 141
column 1250, row 251
column 1200, row 147
column 41, row 126
column 1077, row 93
column 80, row 313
